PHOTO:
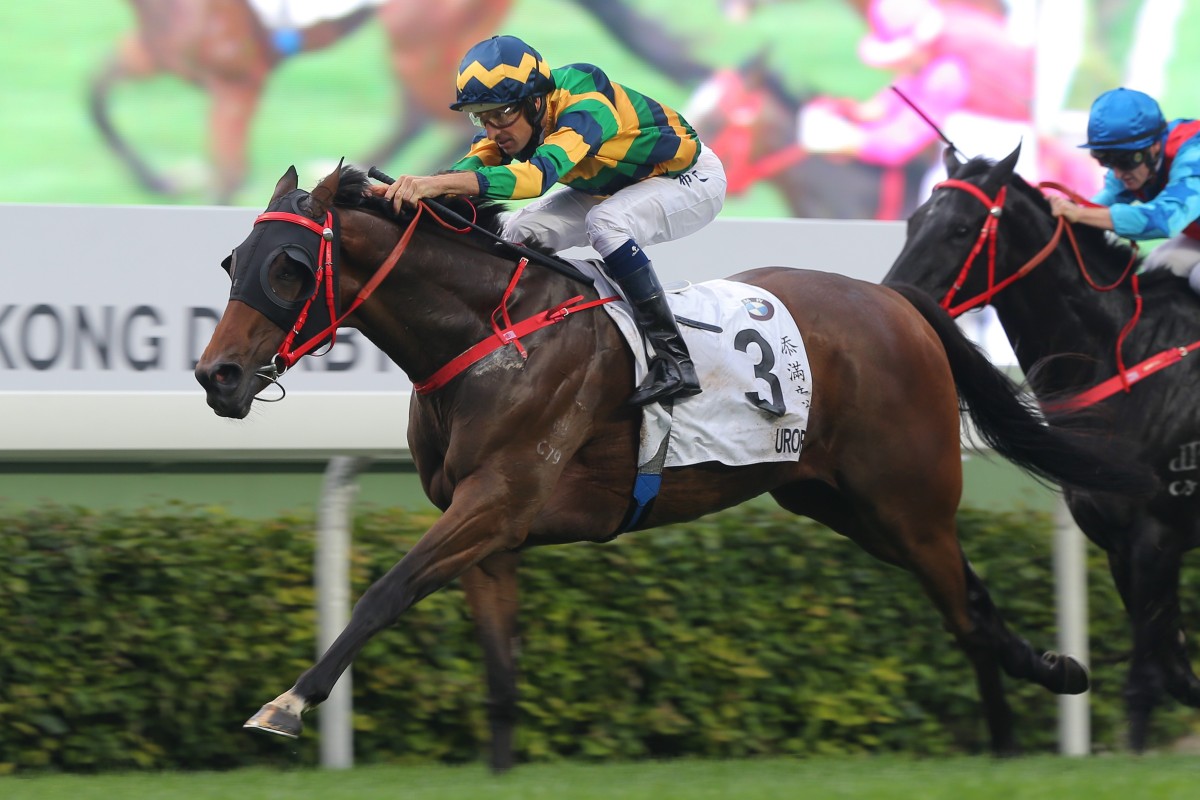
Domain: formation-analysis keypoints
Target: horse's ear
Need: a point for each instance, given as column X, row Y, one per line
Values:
column 1003, row 170
column 951, row 160
column 324, row 192
column 286, row 184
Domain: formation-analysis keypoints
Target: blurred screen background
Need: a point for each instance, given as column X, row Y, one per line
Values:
column 209, row 101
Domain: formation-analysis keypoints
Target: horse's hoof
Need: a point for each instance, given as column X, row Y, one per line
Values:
column 273, row 719
column 1067, row 675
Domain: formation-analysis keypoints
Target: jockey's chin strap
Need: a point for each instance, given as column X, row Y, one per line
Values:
column 988, row 237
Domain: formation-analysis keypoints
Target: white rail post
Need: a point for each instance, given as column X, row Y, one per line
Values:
column 332, row 582
column 1070, row 569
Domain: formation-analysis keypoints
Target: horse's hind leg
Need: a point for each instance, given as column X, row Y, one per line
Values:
column 986, row 639
column 1148, row 580
column 909, row 532
column 929, row 550
column 938, row 563
column 492, row 593
column 1060, row 674
column 409, row 123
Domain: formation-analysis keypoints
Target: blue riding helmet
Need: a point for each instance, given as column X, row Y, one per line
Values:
column 500, row 71
column 1124, row 119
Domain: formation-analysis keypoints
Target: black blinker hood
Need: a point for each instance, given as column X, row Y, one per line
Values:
column 249, row 263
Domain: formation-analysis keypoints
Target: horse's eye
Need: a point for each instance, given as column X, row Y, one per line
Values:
column 961, row 231
column 290, row 280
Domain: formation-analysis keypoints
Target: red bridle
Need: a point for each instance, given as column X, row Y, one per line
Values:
column 988, row 237
column 287, row 355
column 505, row 332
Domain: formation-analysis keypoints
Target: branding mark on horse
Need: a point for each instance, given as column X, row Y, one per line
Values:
column 549, row 452
column 1187, row 459
column 1181, row 488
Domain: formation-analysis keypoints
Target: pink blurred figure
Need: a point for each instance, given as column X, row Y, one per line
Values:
column 964, row 69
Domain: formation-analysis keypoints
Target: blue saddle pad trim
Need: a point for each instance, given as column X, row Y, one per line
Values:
column 645, row 489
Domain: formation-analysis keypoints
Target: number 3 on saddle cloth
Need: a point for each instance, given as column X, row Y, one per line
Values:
column 753, row 369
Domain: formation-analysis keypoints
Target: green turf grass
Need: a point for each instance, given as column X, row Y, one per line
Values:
column 1156, row 777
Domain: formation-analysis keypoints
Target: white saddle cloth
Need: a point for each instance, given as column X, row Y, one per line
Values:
column 753, row 369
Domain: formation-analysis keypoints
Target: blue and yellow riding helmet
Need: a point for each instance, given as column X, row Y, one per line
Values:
column 500, row 71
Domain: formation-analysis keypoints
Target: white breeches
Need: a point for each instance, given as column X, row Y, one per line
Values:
column 654, row 210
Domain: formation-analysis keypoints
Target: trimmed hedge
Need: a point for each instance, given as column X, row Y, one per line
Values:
column 144, row 640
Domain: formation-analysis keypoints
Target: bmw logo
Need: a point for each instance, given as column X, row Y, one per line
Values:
column 758, row 308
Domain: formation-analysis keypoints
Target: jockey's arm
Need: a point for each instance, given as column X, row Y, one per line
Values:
column 408, row 189
column 1097, row 216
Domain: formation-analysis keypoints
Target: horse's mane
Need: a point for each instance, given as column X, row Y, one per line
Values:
column 352, row 193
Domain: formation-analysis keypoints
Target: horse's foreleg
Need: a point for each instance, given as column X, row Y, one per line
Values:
column 331, row 31
column 130, row 61
column 646, row 38
column 478, row 525
column 492, row 593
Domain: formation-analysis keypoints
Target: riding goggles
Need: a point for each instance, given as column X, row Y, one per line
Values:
column 1123, row 160
column 498, row 118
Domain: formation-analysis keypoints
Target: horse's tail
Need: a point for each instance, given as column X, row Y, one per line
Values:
column 1049, row 446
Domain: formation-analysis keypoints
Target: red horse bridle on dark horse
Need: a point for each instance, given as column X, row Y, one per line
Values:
column 988, row 234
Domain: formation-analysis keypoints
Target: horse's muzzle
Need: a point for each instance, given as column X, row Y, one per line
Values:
column 225, row 387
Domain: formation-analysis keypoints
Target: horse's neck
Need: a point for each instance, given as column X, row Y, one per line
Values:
column 438, row 302
column 1053, row 311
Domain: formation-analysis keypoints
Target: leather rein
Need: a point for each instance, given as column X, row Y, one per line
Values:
column 505, row 332
column 988, row 236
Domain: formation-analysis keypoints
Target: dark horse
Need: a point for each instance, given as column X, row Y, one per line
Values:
column 1065, row 318
column 519, row 452
column 223, row 48
column 751, row 121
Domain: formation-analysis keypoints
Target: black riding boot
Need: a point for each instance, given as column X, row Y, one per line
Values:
column 672, row 373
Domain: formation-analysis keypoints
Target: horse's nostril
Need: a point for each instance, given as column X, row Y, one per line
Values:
column 222, row 378
column 227, row 375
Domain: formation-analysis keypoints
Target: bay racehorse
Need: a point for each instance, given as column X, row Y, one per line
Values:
column 1083, row 324
column 223, row 48
column 535, row 444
